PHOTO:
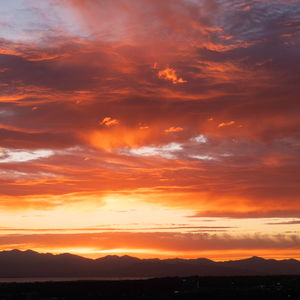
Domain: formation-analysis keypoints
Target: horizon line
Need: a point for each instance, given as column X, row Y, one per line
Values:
column 152, row 258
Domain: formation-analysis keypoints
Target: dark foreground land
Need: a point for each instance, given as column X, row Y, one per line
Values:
column 260, row 287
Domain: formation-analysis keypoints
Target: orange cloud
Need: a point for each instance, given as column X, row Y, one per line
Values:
column 108, row 121
column 225, row 124
column 173, row 129
column 117, row 137
column 171, row 75
column 143, row 127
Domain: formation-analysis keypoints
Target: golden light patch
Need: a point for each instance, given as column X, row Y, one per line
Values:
column 173, row 129
column 225, row 124
column 117, row 137
column 108, row 121
column 171, row 75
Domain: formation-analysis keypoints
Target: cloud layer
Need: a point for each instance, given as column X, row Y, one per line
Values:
column 188, row 105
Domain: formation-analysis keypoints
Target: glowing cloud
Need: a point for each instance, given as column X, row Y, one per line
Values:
column 165, row 151
column 202, row 157
column 8, row 156
column 171, row 75
column 174, row 129
column 225, row 124
column 108, row 121
column 201, row 139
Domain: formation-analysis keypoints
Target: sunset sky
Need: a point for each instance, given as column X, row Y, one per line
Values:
column 153, row 128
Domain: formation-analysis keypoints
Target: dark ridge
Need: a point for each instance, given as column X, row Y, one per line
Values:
column 16, row 263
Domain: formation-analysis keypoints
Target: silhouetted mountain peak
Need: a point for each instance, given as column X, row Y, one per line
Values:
column 14, row 251
column 292, row 260
column 31, row 252
column 111, row 258
column 256, row 258
column 129, row 258
column 116, row 258
column 203, row 260
column 253, row 259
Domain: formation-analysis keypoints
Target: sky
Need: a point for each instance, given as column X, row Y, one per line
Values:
column 150, row 128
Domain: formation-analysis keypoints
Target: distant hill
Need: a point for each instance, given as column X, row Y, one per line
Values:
column 16, row 263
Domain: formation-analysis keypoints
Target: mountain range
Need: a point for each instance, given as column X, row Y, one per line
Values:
column 16, row 263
